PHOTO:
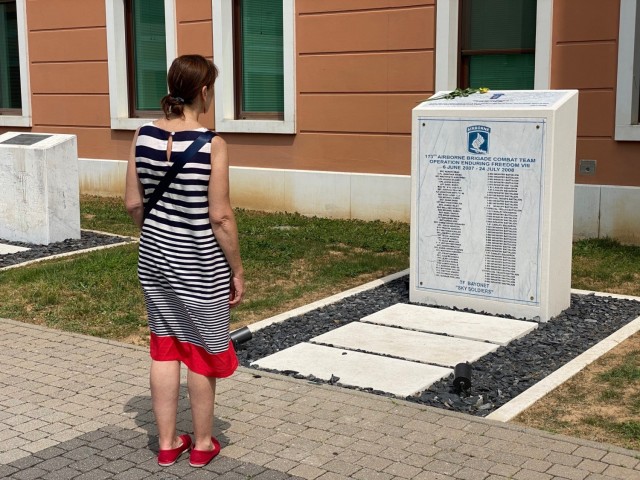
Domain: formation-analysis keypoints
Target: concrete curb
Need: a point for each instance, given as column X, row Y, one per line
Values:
column 530, row 396
column 254, row 327
column 76, row 252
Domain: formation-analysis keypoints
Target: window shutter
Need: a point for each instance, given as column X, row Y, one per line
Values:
column 501, row 24
column 509, row 72
column 498, row 43
column 149, row 53
column 10, row 96
column 262, row 57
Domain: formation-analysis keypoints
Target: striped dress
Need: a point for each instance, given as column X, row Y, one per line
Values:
column 184, row 274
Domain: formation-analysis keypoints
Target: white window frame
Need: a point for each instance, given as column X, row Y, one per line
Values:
column 447, row 23
column 23, row 120
column 225, row 85
column 117, row 61
column 628, row 88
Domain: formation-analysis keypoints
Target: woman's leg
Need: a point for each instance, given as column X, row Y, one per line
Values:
column 165, row 386
column 202, row 394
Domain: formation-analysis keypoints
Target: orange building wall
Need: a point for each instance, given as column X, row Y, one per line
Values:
column 361, row 66
column 69, row 77
column 585, row 56
column 195, row 35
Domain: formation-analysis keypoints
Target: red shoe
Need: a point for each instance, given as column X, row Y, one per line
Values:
column 169, row 457
column 199, row 458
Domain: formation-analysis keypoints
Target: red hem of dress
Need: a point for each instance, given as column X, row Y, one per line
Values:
column 197, row 359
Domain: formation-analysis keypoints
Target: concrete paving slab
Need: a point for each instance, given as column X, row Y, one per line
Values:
column 6, row 249
column 417, row 346
column 457, row 324
column 399, row 377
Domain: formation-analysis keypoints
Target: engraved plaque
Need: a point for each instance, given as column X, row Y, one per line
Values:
column 492, row 185
column 479, row 203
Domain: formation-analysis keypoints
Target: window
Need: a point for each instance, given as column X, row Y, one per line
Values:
column 497, row 44
column 14, row 86
column 628, row 88
column 141, row 44
column 259, row 70
column 10, row 95
column 487, row 41
column 146, row 56
column 253, row 49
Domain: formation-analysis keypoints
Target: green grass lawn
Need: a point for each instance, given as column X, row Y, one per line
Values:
column 604, row 265
column 289, row 260
column 600, row 403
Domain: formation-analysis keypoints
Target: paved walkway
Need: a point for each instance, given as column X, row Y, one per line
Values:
column 78, row 407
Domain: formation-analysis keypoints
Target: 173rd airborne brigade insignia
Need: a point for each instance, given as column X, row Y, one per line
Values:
column 478, row 139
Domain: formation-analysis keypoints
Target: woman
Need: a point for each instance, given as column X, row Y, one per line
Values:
column 189, row 259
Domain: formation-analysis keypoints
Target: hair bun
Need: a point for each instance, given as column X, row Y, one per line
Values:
column 188, row 74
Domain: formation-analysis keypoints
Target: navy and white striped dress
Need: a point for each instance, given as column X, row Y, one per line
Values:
column 184, row 274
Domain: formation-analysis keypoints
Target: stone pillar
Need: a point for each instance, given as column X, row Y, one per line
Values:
column 39, row 191
column 492, row 202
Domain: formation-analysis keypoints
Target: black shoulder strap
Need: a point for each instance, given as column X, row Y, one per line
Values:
column 173, row 171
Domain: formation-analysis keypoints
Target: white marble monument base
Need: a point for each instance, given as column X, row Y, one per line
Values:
column 39, row 190
column 492, row 182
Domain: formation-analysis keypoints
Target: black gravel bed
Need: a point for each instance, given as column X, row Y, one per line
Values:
column 496, row 378
column 35, row 252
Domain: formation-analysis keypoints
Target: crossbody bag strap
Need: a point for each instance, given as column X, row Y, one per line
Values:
column 175, row 168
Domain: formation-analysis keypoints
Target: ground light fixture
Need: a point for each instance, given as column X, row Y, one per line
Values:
column 462, row 377
column 240, row 336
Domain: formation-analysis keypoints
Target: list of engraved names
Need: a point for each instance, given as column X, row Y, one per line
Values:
column 449, row 227
column 479, row 213
column 502, row 228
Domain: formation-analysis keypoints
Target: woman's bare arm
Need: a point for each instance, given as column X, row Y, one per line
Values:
column 223, row 221
column 134, row 193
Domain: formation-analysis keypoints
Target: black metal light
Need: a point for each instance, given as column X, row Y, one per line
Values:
column 240, row 336
column 462, row 377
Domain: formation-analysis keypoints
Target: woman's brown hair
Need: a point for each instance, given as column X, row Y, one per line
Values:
column 187, row 75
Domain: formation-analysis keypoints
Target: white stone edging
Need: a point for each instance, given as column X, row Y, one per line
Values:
column 325, row 301
column 605, row 294
column 530, row 396
column 76, row 252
